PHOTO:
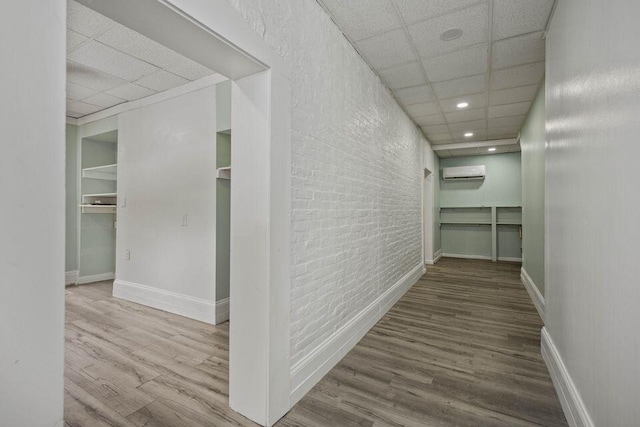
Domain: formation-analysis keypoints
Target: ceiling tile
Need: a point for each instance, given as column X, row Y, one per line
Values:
column 517, row 50
column 108, row 60
column 440, row 142
column 513, row 17
column 386, row 50
column 461, row 86
column 419, row 10
column 466, row 115
column 74, row 40
column 479, row 134
column 517, row 76
column 77, row 92
column 439, row 137
column 139, row 46
column 434, row 119
column 435, row 129
column 103, row 100
column 85, row 21
column 425, row 109
column 463, row 152
column 509, row 109
column 161, row 80
column 91, row 78
column 473, row 21
column 414, row 95
column 513, row 95
column 511, row 121
column 403, row 76
column 476, row 100
column 359, row 19
column 189, row 69
column 130, row 91
column 82, row 107
column 73, row 114
column 468, row 126
column 453, row 65
column 503, row 132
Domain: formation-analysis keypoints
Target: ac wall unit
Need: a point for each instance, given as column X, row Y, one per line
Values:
column 464, row 172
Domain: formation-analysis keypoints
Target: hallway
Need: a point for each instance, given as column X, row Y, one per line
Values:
column 460, row 348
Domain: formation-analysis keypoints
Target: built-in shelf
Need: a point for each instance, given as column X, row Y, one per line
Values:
column 224, row 173
column 99, row 203
column 107, row 172
column 492, row 216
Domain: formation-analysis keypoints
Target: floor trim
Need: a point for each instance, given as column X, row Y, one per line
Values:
column 436, row 257
column 95, row 278
column 572, row 404
column 308, row 371
column 534, row 292
column 183, row 305
column 462, row 256
column 71, row 277
column 222, row 310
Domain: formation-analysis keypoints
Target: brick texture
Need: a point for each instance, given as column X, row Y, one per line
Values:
column 356, row 173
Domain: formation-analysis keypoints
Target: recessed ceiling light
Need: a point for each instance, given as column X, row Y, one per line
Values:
column 462, row 105
column 492, row 149
column 451, row 34
column 468, row 134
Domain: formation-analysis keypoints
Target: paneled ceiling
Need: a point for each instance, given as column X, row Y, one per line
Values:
column 108, row 64
column 495, row 64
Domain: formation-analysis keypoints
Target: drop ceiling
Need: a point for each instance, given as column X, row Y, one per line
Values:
column 496, row 65
column 109, row 64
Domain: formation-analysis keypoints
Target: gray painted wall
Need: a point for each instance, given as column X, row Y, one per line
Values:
column 532, row 141
column 71, row 198
column 502, row 186
column 223, row 217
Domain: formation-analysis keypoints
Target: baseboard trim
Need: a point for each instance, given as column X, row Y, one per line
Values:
column 222, row 310
column 572, row 404
column 95, row 278
column 467, row 256
column 308, row 371
column 172, row 302
column 436, row 257
column 534, row 292
column 509, row 259
column 71, row 277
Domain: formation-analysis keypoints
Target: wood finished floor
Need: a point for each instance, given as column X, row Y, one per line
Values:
column 461, row 348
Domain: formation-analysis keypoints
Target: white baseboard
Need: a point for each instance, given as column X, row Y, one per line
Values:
column 95, row 278
column 534, row 292
column 183, row 305
column 436, row 257
column 509, row 259
column 572, row 404
column 467, row 256
column 308, row 371
column 222, row 310
column 71, row 277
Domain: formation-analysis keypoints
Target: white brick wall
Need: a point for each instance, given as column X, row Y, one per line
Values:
column 356, row 173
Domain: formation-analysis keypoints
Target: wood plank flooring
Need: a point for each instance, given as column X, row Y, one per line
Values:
column 461, row 348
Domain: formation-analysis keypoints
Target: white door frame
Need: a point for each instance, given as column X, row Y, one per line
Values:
column 212, row 33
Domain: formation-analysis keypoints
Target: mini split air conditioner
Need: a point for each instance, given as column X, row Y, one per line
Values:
column 463, row 172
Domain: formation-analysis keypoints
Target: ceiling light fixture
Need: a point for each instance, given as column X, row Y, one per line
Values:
column 492, row 149
column 451, row 34
column 462, row 105
column 468, row 134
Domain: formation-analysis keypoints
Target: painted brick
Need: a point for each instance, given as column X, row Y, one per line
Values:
column 355, row 174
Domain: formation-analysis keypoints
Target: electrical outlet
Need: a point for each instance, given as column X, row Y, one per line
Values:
column 127, row 254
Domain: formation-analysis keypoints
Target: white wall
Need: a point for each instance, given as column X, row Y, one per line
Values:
column 32, row 249
column 356, row 231
column 592, row 231
column 166, row 170
column 428, row 200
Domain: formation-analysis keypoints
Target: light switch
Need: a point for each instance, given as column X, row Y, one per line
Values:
column 184, row 220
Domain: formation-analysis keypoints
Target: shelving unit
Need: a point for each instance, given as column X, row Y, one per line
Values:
column 99, row 203
column 224, row 173
column 107, row 172
column 497, row 217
